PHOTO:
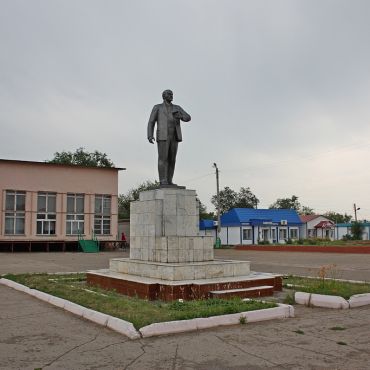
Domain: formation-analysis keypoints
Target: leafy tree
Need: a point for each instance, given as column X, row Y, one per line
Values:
column 203, row 214
column 292, row 203
column 306, row 211
column 338, row 218
column 287, row 203
column 231, row 199
column 82, row 158
column 133, row 194
column 356, row 230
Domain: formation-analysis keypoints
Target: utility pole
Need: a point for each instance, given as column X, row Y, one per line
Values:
column 356, row 209
column 218, row 199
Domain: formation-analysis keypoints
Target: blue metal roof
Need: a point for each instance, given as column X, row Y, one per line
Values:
column 206, row 224
column 237, row 216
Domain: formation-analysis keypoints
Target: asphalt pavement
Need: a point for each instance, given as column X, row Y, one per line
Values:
column 36, row 335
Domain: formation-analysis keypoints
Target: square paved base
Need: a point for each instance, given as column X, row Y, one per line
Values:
column 153, row 289
column 180, row 271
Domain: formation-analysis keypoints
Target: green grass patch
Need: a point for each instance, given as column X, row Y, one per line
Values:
column 139, row 312
column 326, row 286
column 299, row 331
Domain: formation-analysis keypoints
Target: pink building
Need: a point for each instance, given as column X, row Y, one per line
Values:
column 50, row 204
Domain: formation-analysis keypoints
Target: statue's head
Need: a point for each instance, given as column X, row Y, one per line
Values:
column 167, row 95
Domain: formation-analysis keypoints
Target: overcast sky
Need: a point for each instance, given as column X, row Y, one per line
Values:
column 278, row 91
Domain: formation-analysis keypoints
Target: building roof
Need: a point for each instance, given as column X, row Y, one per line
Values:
column 348, row 224
column 206, row 224
column 58, row 164
column 324, row 225
column 237, row 216
column 308, row 218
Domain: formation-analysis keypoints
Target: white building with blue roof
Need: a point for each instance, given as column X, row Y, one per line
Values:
column 344, row 229
column 249, row 226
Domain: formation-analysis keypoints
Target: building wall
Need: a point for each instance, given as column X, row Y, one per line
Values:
column 33, row 177
column 341, row 231
column 234, row 235
column 310, row 226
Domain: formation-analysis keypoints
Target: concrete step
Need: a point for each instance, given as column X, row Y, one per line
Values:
column 253, row 292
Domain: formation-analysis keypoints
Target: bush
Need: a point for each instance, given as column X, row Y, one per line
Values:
column 263, row 242
column 300, row 241
column 289, row 241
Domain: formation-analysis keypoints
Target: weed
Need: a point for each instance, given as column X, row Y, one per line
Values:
column 342, row 343
column 337, row 328
column 289, row 298
column 298, row 331
column 325, row 285
column 242, row 320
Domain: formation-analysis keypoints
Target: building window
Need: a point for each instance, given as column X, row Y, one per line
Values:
column 283, row 234
column 46, row 213
column 75, row 223
column 247, row 234
column 102, row 214
column 273, row 234
column 293, row 233
column 15, row 205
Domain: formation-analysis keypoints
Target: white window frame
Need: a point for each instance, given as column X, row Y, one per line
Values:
column 281, row 231
column 247, row 234
column 273, row 233
column 16, row 213
column 75, row 220
column 46, row 218
column 102, row 217
column 293, row 230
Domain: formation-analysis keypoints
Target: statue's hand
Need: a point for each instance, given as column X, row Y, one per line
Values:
column 151, row 140
column 176, row 115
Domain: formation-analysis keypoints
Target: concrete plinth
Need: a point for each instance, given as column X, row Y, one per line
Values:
column 153, row 289
column 180, row 271
column 164, row 228
column 168, row 258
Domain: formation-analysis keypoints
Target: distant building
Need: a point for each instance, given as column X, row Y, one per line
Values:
column 345, row 229
column 249, row 226
column 208, row 227
column 317, row 226
column 49, row 204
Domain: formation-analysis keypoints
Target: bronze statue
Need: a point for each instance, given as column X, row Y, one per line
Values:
column 167, row 116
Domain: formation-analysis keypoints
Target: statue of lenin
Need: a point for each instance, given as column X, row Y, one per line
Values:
column 167, row 116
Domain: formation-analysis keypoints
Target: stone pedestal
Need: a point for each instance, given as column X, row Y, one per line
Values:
column 168, row 258
column 164, row 227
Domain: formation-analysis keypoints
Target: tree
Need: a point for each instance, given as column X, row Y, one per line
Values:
column 82, row 158
column 203, row 214
column 292, row 203
column 306, row 211
column 338, row 218
column 356, row 230
column 133, row 194
column 231, row 199
column 287, row 203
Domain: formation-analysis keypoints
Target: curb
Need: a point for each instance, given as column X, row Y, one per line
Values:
column 118, row 325
column 156, row 329
column 329, row 301
column 172, row 327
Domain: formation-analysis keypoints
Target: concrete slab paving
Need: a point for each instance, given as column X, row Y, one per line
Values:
column 35, row 334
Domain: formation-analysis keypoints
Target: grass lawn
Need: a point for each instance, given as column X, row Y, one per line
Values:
column 325, row 286
column 139, row 312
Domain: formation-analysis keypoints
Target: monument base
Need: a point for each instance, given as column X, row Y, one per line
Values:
column 251, row 285
column 180, row 271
